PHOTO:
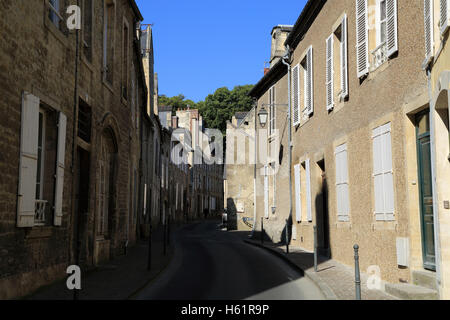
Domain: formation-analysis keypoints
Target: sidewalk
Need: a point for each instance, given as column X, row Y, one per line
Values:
column 336, row 280
column 118, row 279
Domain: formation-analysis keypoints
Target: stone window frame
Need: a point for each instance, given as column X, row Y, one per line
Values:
column 108, row 51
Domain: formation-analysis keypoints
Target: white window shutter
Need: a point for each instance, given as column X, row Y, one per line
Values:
column 60, row 167
column 329, row 73
column 308, row 190
column 296, row 95
column 388, row 177
column 429, row 28
column 266, row 192
column 28, row 161
column 342, row 189
column 344, row 58
column 309, row 82
column 444, row 14
column 298, row 203
column 362, row 38
column 392, row 27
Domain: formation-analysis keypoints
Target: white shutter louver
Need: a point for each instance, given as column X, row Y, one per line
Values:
column 308, row 190
column 362, row 36
column 60, row 167
column 444, row 14
column 344, row 58
column 383, row 175
column 342, row 188
column 28, row 161
column 392, row 28
column 309, row 82
column 266, row 192
column 296, row 95
column 298, row 203
column 429, row 34
column 330, row 73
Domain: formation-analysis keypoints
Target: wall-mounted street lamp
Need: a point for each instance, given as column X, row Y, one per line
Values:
column 263, row 115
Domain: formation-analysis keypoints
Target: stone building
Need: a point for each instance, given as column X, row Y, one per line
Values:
column 70, row 147
column 433, row 146
column 360, row 170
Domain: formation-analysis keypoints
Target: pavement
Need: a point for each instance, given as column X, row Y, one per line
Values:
column 336, row 280
column 212, row 264
column 118, row 279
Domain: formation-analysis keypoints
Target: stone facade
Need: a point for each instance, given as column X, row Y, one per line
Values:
column 41, row 72
column 386, row 99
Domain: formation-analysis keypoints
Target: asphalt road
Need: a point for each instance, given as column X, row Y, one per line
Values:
column 211, row 264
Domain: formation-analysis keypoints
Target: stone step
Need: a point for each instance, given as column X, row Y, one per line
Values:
column 406, row 291
column 425, row 279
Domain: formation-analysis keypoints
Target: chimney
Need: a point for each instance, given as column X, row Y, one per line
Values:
column 279, row 36
column 175, row 122
column 266, row 70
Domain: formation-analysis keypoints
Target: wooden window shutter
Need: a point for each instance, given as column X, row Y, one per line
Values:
column 344, row 58
column 388, row 176
column 298, row 201
column 392, row 28
column 309, row 82
column 60, row 167
column 444, row 14
column 308, row 190
column 296, row 95
column 362, row 38
column 26, row 200
column 429, row 28
column 329, row 73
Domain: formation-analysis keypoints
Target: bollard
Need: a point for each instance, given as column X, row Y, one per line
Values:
column 287, row 237
column 262, row 230
column 357, row 274
column 315, row 249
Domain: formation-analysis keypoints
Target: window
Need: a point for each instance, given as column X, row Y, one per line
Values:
column 429, row 29
column 342, row 185
column 385, row 35
column 337, row 73
column 84, row 121
column 307, row 65
column 272, row 111
column 383, row 174
column 308, row 190
column 42, row 155
column 296, row 95
column 125, row 49
column 444, row 9
column 108, row 40
column 54, row 12
column 87, row 29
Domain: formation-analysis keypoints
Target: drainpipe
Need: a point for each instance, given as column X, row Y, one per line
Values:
column 434, row 183
column 286, row 61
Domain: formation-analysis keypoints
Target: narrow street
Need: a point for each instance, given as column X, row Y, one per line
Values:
column 211, row 264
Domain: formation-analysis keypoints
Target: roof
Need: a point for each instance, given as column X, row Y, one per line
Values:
column 165, row 108
column 304, row 21
column 136, row 10
column 274, row 74
column 302, row 25
column 240, row 115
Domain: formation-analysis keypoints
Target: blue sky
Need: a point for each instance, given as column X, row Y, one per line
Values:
column 202, row 45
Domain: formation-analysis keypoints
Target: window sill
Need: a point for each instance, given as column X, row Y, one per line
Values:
column 107, row 85
column 87, row 63
column 39, row 232
column 58, row 34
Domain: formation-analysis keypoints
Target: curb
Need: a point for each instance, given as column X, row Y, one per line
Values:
column 326, row 290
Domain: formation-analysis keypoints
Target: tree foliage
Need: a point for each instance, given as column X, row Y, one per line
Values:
column 217, row 108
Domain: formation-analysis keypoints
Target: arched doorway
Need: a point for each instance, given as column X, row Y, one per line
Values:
column 107, row 167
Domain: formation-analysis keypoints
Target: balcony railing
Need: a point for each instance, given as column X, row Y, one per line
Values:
column 39, row 217
column 379, row 56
